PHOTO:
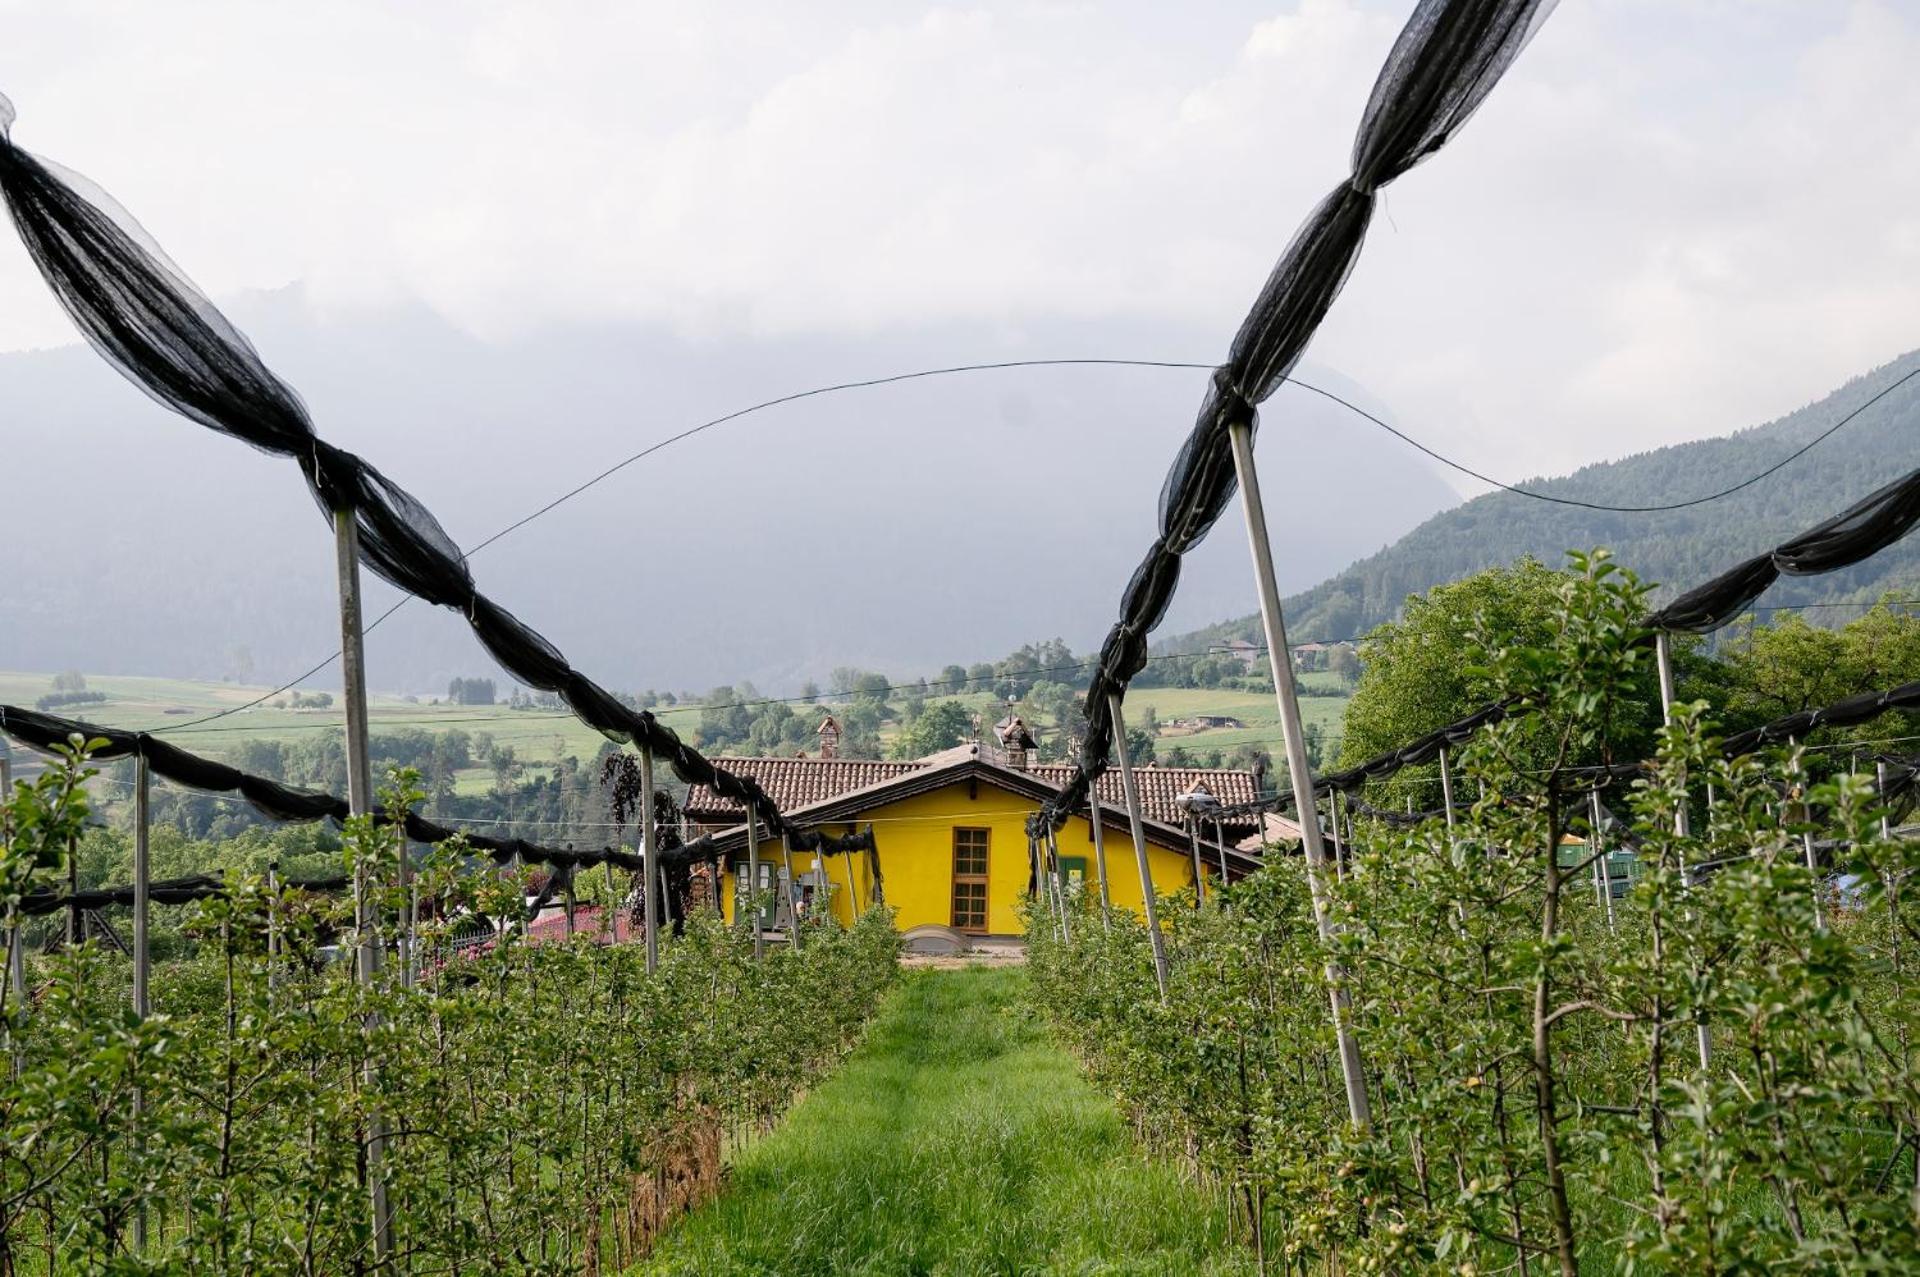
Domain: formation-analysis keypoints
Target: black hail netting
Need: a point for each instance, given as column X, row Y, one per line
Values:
column 1856, row 533
column 284, row 802
column 1859, row 532
column 150, row 322
column 1448, row 58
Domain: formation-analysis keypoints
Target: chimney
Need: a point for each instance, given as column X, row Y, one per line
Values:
column 829, row 734
column 1017, row 741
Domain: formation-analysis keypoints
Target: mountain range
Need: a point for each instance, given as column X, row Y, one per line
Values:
column 1676, row 549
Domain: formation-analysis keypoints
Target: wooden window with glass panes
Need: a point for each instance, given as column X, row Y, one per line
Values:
column 970, row 879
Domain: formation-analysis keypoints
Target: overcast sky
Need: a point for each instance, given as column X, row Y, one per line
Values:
column 1674, row 218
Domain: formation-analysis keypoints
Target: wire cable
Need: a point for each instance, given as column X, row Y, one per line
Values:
column 1775, row 468
column 1001, row 365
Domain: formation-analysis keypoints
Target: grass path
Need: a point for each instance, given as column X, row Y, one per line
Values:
column 956, row 1140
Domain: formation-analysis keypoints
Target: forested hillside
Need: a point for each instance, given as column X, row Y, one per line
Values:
column 1676, row 548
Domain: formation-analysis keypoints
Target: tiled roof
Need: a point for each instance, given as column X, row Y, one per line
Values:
column 801, row 782
column 1273, row 828
column 794, row 782
column 1159, row 786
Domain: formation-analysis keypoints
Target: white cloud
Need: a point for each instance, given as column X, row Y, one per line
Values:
column 1675, row 218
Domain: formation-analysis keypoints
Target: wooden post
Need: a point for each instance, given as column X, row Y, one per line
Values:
column 1094, row 826
column 650, row 874
column 353, row 671
column 753, row 887
column 1132, row 793
column 1446, row 791
column 1299, row 771
column 1220, row 844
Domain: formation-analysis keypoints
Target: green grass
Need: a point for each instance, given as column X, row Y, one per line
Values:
column 956, row 1140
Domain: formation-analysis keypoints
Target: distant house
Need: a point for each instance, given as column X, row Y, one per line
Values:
column 951, row 847
column 1248, row 654
column 1203, row 722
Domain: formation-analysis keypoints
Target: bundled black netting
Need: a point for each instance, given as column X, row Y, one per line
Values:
column 281, row 802
column 1847, row 713
column 272, row 799
column 1448, row 58
column 166, row 891
column 149, row 321
column 1859, row 532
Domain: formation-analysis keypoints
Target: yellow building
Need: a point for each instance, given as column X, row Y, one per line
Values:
column 950, row 838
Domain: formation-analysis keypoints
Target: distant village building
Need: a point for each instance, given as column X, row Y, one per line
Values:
column 1205, row 722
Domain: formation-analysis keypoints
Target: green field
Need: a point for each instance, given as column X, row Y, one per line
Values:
column 539, row 736
column 957, row 1139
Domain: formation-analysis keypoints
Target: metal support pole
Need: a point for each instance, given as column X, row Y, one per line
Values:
column 353, row 672
column 142, row 875
column 1333, row 822
column 567, row 903
column 73, row 891
column 1813, row 868
column 1663, row 657
column 853, row 906
column 753, row 887
column 1602, row 875
column 650, row 860
column 1132, row 794
column 1199, row 875
column 794, row 891
column 16, row 959
column 16, row 956
column 1299, row 772
column 273, row 924
column 408, row 907
column 1095, row 825
column 1059, row 887
column 1446, row 790
column 1880, row 780
column 1220, row 844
